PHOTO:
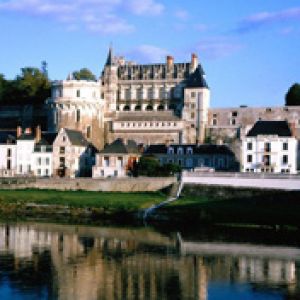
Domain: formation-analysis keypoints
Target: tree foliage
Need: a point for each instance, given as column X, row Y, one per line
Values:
column 150, row 166
column 31, row 86
column 84, row 74
column 292, row 97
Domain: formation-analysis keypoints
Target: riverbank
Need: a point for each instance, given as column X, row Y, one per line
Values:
column 75, row 204
column 198, row 205
column 233, row 207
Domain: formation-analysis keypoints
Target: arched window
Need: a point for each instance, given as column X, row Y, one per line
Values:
column 138, row 108
column 126, row 108
column 160, row 107
column 149, row 107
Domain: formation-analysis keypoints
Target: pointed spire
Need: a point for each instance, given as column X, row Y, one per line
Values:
column 109, row 60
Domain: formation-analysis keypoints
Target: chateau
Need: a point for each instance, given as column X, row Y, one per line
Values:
column 155, row 103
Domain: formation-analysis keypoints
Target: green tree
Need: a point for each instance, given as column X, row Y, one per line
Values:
column 292, row 97
column 148, row 166
column 3, row 84
column 84, row 74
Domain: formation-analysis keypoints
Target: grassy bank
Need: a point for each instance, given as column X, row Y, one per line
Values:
column 231, row 206
column 75, row 203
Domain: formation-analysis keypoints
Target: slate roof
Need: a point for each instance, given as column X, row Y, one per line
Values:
column 47, row 138
column 76, row 137
column 8, row 137
column 118, row 146
column 197, row 79
column 280, row 128
column 197, row 149
column 26, row 137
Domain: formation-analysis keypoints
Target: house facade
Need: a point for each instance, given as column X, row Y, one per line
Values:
column 191, row 156
column 73, row 155
column 116, row 159
column 270, row 147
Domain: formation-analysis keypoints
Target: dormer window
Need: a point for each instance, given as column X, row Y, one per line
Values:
column 189, row 151
column 170, row 150
column 180, row 151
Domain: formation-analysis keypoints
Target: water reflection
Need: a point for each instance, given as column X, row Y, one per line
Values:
column 45, row 261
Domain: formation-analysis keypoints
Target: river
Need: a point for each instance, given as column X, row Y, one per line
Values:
column 52, row 261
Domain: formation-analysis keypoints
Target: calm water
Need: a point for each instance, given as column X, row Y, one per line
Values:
column 46, row 261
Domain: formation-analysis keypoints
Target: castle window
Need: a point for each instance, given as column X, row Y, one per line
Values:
column 193, row 126
column 174, row 124
column 138, row 108
column 249, row 146
column 285, row 146
column 78, row 93
column 192, row 115
column 128, row 124
column 234, row 113
column 126, row 108
column 8, row 152
column 157, row 124
column 193, row 94
column 215, row 115
column 60, row 93
column 160, row 107
column 150, row 93
column 88, row 132
column 78, row 115
column 139, row 94
column 215, row 122
column 268, row 109
column 162, row 93
column 127, row 94
column 122, row 124
column 232, row 122
column 285, row 159
column 149, row 107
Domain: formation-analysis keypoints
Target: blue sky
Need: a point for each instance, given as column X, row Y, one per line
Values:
column 250, row 50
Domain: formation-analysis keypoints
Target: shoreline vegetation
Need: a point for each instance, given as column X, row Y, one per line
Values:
column 198, row 205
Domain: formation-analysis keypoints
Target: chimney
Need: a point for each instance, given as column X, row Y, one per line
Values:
column 28, row 130
column 38, row 133
column 194, row 61
column 170, row 61
column 19, row 131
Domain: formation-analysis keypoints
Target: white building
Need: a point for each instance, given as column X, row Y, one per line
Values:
column 116, row 159
column 42, row 157
column 270, row 147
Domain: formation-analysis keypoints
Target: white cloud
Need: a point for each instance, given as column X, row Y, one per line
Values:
column 181, row 14
column 101, row 16
column 265, row 18
column 148, row 53
column 145, row 7
column 218, row 47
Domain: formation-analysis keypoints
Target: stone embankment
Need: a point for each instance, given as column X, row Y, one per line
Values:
column 243, row 180
column 140, row 184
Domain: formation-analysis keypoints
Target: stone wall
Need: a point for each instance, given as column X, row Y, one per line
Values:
column 141, row 184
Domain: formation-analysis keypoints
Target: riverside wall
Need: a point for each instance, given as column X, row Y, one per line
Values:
column 140, row 184
column 243, row 180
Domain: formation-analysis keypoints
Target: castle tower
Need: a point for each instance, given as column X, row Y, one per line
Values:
column 109, row 81
column 196, row 104
column 77, row 105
